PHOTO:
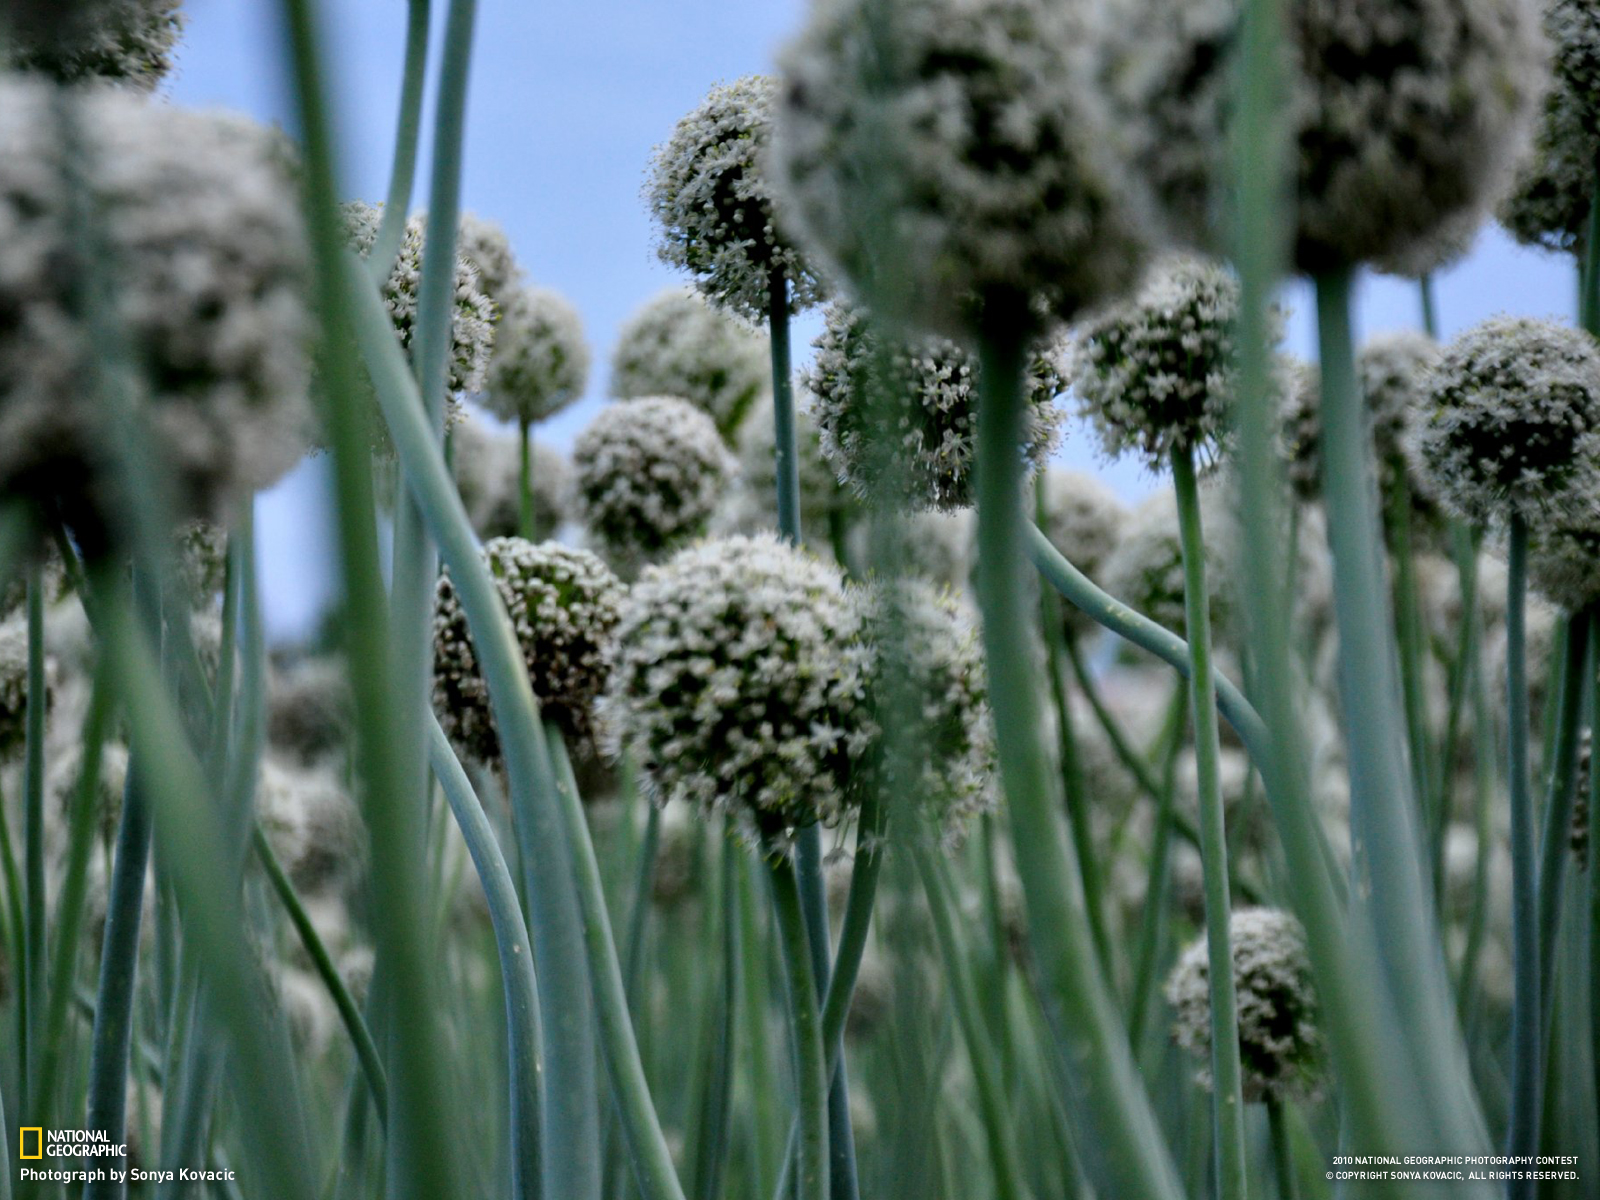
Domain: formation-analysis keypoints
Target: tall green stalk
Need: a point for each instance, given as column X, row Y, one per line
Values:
column 1113, row 1109
column 1522, row 1134
column 1556, row 839
column 717, row 1113
column 1385, row 830
column 408, row 129
column 525, row 513
column 811, row 1071
column 524, row 1036
column 1227, row 1093
column 35, row 950
column 526, row 752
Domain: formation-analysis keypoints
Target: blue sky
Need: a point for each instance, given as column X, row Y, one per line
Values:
column 566, row 102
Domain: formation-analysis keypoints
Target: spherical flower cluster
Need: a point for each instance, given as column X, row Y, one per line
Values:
column 1564, row 564
column 201, row 224
column 738, row 681
column 1394, row 370
column 1155, row 372
column 862, row 382
column 752, row 505
column 678, row 345
column 126, row 42
column 1084, row 519
column 1281, row 1047
column 13, row 687
column 488, row 474
column 647, row 476
column 472, row 311
column 1145, row 571
column 1512, row 425
column 924, row 641
column 564, row 605
column 312, row 822
column 960, row 169
column 200, row 561
column 540, row 363
column 1550, row 201
column 1405, row 117
column 484, row 244
column 309, row 708
column 709, row 193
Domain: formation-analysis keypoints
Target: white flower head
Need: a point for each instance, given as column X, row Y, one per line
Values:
column 200, row 234
column 484, row 244
column 540, row 362
column 129, row 43
column 898, row 418
column 959, row 168
column 1281, row 1046
column 709, row 193
column 564, row 606
column 647, row 476
column 738, row 681
column 1512, row 423
column 678, row 345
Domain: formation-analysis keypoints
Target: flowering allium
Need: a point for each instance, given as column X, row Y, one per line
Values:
column 484, row 244
column 1564, row 564
column 564, row 605
column 1281, row 1046
column 200, row 225
column 1512, row 425
column 862, row 380
column 959, row 168
column 472, row 312
column 709, row 192
column 309, row 708
column 488, row 473
column 312, row 822
column 1550, row 201
column 1394, row 372
column 678, row 345
column 126, row 42
column 1156, row 371
column 1084, row 519
column 946, row 761
column 1405, row 116
column 14, row 687
column 738, row 681
column 540, row 363
column 1145, row 570
column 752, row 505
column 647, row 476
column 200, row 561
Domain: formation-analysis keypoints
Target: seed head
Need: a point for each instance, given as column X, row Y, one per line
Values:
column 647, row 476
column 710, row 194
column 739, row 678
column 959, row 170
column 1512, row 423
column 540, row 363
column 678, row 345
column 1280, row 1044
column 564, row 606
column 864, row 381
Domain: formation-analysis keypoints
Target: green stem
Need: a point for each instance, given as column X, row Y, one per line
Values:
column 786, row 457
column 1556, row 840
column 526, row 752
column 1282, row 1152
column 35, row 949
column 1522, row 1135
column 716, row 1115
column 322, row 962
column 1073, row 786
column 811, row 1070
column 997, row 1120
column 1091, row 1039
column 1430, row 306
column 119, row 955
column 1409, row 620
column 1589, row 279
column 525, row 514
column 1466, row 557
column 765, row 1165
column 403, row 171
column 1388, row 858
column 1227, row 1093
column 1152, row 931
column 1483, row 786
column 523, row 1031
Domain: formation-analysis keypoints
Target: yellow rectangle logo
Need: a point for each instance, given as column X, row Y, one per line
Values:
column 38, row 1143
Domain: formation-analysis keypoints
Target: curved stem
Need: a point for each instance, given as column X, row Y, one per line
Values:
column 1556, row 840
column 1522, row 1134
column 1227, row 1093
column 523, row 1030
column 1008, row 1183
column 408, row 127
column 526, row 752
column 1091, row 1038
column 811, row 1082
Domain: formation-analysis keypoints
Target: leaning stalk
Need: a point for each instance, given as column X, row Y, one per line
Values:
column 403, row 171
column 1227, row 1094
column 1091, row 1038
